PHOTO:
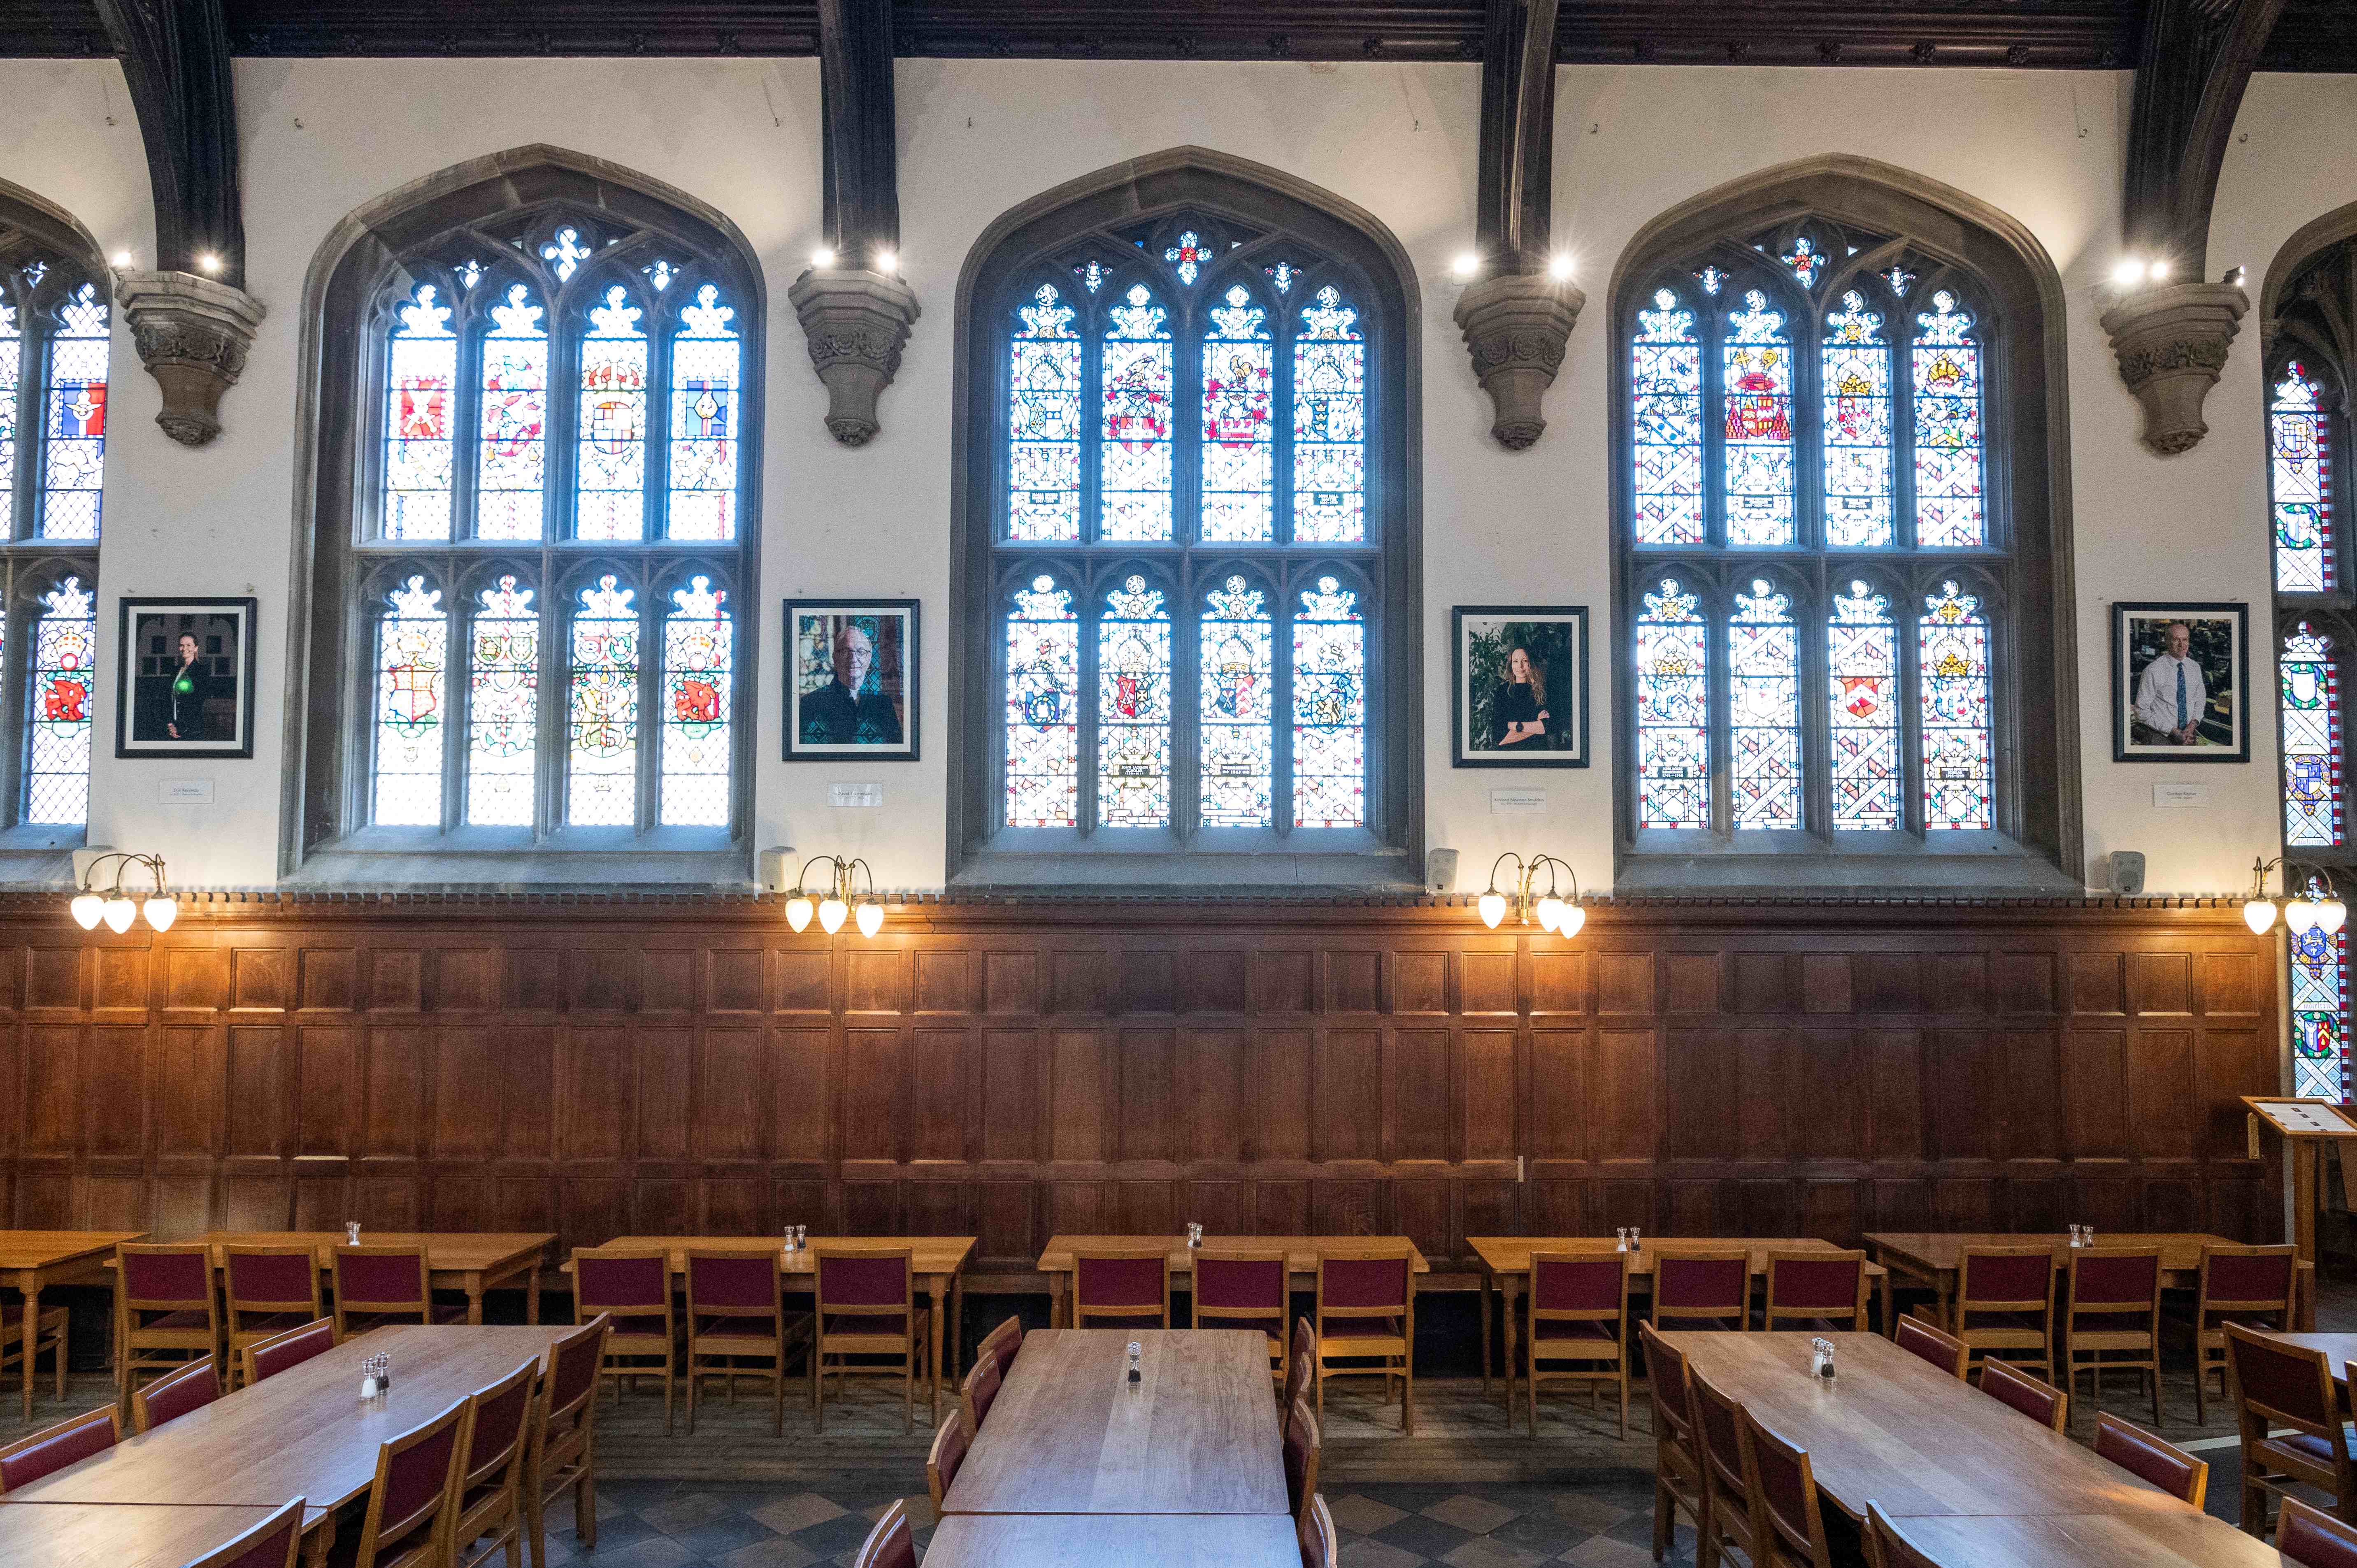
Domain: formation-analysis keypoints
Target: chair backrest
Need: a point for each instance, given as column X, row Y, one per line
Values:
column 1377, row 1280
column 272, row 1279
column 163, row 1277
column 1943, row 1350
column 2162, row 1463
column 416, row 1482
column 1885, row 1547
column 862, row 1282
column 2289, row 1385
column 53, row 1448
column 2041, row 1401
column 1724, row 1458
column 1580, row 1287
column 1305, row 1359
column 268, row 1357
column 275, row 1542
column 381, row 1279
column 980, row 1391
column 501, row 1425
column 1319, row 1549
column 1302, row 1448
column 2248, row 1280
column 1787, row 1494
column 1816, row 1284
column 2004, row 1279
column 572, row 1365
column 2311, row 1537
column 734, row 1285
column 628, row 1284
column 1121, row 1282
column 889, row 1544
column 1002, row 1345
column 1666, row 1367
column 1703, row 1283
column 1233, row 1282
column 2115, row 1282
column 191, row 1388
column 941, row 1465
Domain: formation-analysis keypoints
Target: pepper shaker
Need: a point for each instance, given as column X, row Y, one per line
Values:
column 1135, row 1350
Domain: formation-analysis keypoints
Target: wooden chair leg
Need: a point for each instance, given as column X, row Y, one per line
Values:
column 1665, row 1515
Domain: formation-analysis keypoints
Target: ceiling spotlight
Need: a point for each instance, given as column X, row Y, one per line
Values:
column 1559, row 269
column 1466, row 264
column 823, row 257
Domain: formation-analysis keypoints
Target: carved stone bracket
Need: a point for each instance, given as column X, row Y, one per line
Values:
column 192, row 334
column 1516, row 326
column 857, row 323
column 2171, row 343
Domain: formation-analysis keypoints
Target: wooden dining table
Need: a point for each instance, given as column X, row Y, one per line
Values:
column 1931, row 1258
column 118, row 1535
column 1300, row 1258
column 469, row 1261
column 2187, row 1540
column 306, row 1433
column 1113, row 1541
column 32, row 1261
column 1070, row 1434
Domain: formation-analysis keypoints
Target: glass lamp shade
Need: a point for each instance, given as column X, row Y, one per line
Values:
column 119, row 913
column 831, row 914
column 871, row 919
column 86, row 909
column 161, row 911
column 2332, row 913
column 1574, row 917
column 2259, row 914
column 1551, row 911
column 799, row 910
column 1492, row 907
column 2301, row 915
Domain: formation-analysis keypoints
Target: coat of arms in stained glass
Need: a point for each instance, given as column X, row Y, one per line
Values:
column 699, row 678
column 1329, row 424
column 1673, row 711
column 1764, row 708
column 503, row 706
column 1044, row 422
column 65, row 666
column 1862, row 677
column 1758, row 371
column 2311, row 741
column 1238, row 691
column 511, row 460
column 1958, row 758
column 610, row 491
column 73, row 456
column 1134, row 708
column 1667, row 386
column 1950, row 511
column 1239, row 473
column 421, row 381
column 1330, row 702
column 1855, row 370
column 2320, row 988
column 1043, row 724
column 705, row 367
column 413, row 640
column 602, row 708
column 2299, row 471
column 1136, row 397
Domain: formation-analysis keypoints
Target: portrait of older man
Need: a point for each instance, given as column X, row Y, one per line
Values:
column 2171, row 695
column 848, row 709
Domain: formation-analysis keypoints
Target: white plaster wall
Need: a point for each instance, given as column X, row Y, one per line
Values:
column 976, row 138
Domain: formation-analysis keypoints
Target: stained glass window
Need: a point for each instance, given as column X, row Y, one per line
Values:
column 1133, row 707
column 1044, row 422
column 706, row 388
column 1949, row 508
column 1329, row 708
column 1862, row 686
column 421, row 368
column 2300, row 483
column 1805, row 260
column 512, row 455
column 1238, row 688
column 1958, row 754
column 12, row 372
column 2320, row 992
column 1860, row 510
column 64, row 683
column 1673, row 711
column 1667, row 379
column 1043, row 691
column 2311, row 740
column 502, row 708
column 1239, row 486
column 699, row 678
column 602, row 708
column 1329, row 424
column 74, row 440
column 1758, row 371
column 610, row 491
column 1764, row 707
column 1136, row 433
column 412, row 663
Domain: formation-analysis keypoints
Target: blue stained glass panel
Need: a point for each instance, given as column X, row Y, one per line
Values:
column 2300, row 474
column 699, row 681
column 1757, row 365
column 412, row 667
column 1330, row 709
column 705, row 361
column 503, row 707
column 1134, row 708
column 610, row 489
column 2310, row 689
column 1238, row 708
column 1860, row 504
column 1239, row 480
column 1958, row 758
column 62, row 689
column 601, row 785
column 513, row 458
column 1763, row 660
column 1668, row 391
column 1329, row 424
column 1135, row 455
column 1043, row 708
column 1044, row 422
column 1673, row 711
column 73, row 456
column 12, row 372
column 421, row 382
column 1862, row 684
column 1949, row 510
column 2319, row 993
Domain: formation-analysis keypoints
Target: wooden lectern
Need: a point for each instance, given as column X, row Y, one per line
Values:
column 2306, row 1126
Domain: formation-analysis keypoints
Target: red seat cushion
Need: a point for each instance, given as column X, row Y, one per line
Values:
column 2313, row 1449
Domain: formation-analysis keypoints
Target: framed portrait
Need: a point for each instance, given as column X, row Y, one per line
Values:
column 1521, row 693
column 185, row 678
column 2181, row 682
column 851, row 680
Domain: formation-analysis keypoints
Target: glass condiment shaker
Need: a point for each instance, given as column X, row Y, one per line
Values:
column 352, row 1232
column 1136, row 1351
column 1821, row 1359
column 1622, row 1244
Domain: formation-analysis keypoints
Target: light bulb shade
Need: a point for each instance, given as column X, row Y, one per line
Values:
column 2301, row 915
column 831, row 913
column 86, row 908
column 1574, row 917
column 2332, row 913
column 1551, row 911
column 1492, row 907
column 119, row 913
column 871, row 919
column 798, row 912
column 162, row 910
column 2259, row 914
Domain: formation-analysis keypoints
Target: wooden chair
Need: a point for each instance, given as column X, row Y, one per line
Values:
column 979, row 1392
column 889, row 1544
column 1790, row 1522
column 2040, row 1401
column 2311, row 1537
column 867, row 1308
column 1819, row 1292
column 1319, row 1549
column 275, row 1542
column 1888, row 1547
column 2251, row 1285
column 2112, row 1308
column 1578, row 1315
column 632, row 1289
column 737, row 1328
column 2005, row 1301
column 1238, row 1287
column 379, row 1286
column 947, row 1457
column 1302, row 1354
column 1703, row 1288
column 1366, row 1311
column 490, row 1489
column 1920, row 1338
column 193, row 1387
column 268, row 1357
column 413, row 1502
column 53, row 1448
column 2279, row 1385
column 1002, row 1345
column 51, row 1333
column 266, row 1291
column 1729, row 1476
column 165, row 1313
column 2162, row 1463
column 1123, row 1287
column 564, row 1453
column 1677, row 1446
column 1303, row 1446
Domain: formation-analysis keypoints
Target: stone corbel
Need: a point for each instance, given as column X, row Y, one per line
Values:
column 192, row 334
column 857, row 323
column 1516, row 325
column 2171, row 342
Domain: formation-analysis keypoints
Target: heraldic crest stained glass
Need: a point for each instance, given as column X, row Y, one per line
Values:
column 2300, row 483
column 2311, row 688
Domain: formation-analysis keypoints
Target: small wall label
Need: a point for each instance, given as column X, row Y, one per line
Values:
column 1521, row 803
column 184, row 792
column 854, row 794
column 2180, row 796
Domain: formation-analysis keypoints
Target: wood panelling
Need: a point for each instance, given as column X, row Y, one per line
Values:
column 599, row 1068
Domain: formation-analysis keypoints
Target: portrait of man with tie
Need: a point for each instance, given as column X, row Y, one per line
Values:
column 2181, row 687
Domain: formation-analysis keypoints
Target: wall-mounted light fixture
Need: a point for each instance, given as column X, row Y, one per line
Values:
column 1554, row 912
column 2315, row 904
column 839, row 901
column 114, row 906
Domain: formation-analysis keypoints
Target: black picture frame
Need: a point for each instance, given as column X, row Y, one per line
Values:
column 148, row 676
column 2218, row 640
column 1480, row 638
column 893, row 678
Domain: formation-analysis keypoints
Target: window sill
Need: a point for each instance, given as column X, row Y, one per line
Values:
column 1902, row 867
column 510, row 860
column 39, row 857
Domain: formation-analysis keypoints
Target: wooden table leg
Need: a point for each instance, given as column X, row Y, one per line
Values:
column 31, row 1289
column 1055, row 1300
column 1509, row 1287
column 957, row 1325
column 1487, row 1286
column 1890, row 1324
column 474, row 1300
column 940, row 1310
column 532, row 1295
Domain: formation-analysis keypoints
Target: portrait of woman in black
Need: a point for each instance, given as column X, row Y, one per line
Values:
column 1518, row 713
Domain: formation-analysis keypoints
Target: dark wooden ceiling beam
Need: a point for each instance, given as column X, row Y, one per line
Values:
column 2196, row 60
column 1514, row 193
column 176, row 61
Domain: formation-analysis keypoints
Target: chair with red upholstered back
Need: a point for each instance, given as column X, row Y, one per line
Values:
column 2279, row 1385
column 633, row 1288
column 165, row 1313
column 490, row 1484
column 191, row 1388
column 564, row 1453
column 1790, row 1520
column 1002, row 1345
column 889, row 1544
column 266, row 1291
column 2249, row 1285
column 1303, row 1353
column 275, row 1542
column 1366, row 1311
column 377, row 1287
column 2111, row 1316
column 268, row 1357
column 1303, row 1447
column 1238, row 1287
column 2005, row 1301
column 737, row 1326
column 869, row 1325
column 414, row 1501
column 948, row 1456
column 2311, row 1537
column 1818, row 1292
column 1729, row 1476
column 2040, row 1401
column 1578, row 1315
column 1887, row 1545
column 2164, row 1463
column 1677, row 1451
column 1943, row 1350
column 1121, row 1287
column 1701, row 1288
column 1319, row 1549
column 53, row 1448
column 979, row 1392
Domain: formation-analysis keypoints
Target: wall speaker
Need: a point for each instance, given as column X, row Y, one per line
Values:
column 1440, row 871
column 2125, row 871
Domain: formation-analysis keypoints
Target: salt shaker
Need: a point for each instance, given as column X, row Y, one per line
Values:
column 1622, row 1245
column 1135, row 1350
column 1194, row 1234
column 1822, row 1358
column 1636, row 1238
column 801, row 1238
column 2074, row 1237
column 352, row 1232
column 384, row 1374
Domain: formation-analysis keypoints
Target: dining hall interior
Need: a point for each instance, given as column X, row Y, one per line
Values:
column 1635, row 889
